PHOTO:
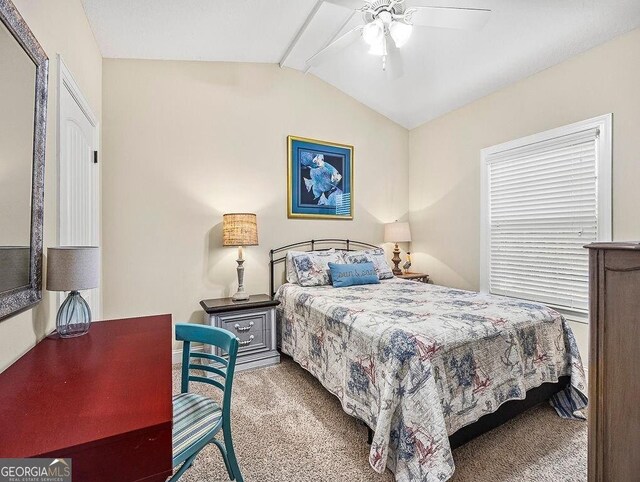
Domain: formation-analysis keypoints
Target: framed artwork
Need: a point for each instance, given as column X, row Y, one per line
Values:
column 320, row 179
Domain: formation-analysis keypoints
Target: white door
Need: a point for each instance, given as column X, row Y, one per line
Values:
column 78, row 174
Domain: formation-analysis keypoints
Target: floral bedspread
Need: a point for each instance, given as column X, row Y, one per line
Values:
column 417, row 362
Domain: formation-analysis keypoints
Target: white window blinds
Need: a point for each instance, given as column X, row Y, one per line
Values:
column 542, row 208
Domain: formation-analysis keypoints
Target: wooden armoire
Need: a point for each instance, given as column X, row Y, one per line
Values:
column 614, row 362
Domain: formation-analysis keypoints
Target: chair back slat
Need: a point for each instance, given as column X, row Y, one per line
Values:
column 210, row 356
column 208, row 368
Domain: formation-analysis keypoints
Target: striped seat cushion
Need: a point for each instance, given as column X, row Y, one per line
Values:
column 194, row 416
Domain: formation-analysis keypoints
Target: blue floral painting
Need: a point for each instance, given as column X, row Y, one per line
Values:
column 320, row 179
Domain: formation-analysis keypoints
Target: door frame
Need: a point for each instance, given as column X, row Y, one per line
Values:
column 67, row 81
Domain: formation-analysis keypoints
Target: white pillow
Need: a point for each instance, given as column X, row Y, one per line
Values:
column 375, row 256
column 312, row 268
column 290, row 269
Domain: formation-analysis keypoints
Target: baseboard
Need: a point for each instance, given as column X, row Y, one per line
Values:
column 177, row 354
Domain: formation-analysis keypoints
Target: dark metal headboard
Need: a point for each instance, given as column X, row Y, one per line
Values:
column 314, row 245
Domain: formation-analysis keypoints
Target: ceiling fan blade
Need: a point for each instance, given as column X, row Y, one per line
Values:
column 394, row 67
column 450, row 17
column 336, row 46
column 353, row 4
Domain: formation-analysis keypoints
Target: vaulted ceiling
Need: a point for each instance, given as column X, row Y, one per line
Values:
column 443, row 68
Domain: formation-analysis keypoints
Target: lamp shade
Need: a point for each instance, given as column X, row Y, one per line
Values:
column 397, row 232
column 239, row 229
column 73, row 268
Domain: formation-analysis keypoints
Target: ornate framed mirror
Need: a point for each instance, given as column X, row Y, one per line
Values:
column 23, row 116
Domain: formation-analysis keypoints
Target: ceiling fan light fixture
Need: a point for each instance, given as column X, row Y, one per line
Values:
column 379, row 48
column 373, row 32
column 400, row 32
column 386, row 17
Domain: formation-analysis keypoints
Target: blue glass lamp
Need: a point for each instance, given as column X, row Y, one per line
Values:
column 73, row 268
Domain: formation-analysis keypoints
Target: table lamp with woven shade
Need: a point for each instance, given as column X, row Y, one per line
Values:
column 240, row 229
column 73, row 268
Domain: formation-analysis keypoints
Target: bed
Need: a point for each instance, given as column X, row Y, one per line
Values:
column 427, row 367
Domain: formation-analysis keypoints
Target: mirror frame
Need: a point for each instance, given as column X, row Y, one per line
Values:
column 19, row 299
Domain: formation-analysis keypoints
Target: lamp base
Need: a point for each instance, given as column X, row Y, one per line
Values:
column 74, row 316
column 240, row 295
column 396, row 261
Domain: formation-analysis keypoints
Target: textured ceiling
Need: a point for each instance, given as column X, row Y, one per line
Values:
column 443, row 69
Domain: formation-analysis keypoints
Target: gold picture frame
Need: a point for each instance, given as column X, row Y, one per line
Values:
column 327, row 192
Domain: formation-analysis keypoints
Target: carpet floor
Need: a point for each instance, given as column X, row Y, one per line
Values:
column 287, row 427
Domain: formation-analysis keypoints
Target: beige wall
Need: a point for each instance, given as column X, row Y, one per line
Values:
column 445, row 154
column 185, row 142
column 61, row 27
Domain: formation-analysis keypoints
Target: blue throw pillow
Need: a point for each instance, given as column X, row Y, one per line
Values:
column 353, row 274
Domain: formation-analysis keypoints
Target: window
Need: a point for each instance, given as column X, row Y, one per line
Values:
column 543, row 198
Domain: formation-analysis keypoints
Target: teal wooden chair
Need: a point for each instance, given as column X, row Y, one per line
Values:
column 197, row 419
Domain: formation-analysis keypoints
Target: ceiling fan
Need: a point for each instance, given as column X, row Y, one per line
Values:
column 388, row 25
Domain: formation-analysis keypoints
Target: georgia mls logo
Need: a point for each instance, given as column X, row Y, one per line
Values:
column 35, row 470
column 59, row 468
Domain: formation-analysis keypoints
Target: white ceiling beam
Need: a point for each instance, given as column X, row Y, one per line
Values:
column 304, row 26
column 335, row 35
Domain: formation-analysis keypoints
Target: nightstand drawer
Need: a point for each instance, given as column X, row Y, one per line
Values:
column 253, row 322
column 250, row 328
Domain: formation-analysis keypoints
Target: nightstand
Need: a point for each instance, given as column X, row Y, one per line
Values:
column 421, row 277
column 254, row 323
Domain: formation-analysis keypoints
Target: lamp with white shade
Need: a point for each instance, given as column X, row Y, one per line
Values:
column 240, row 229
column 397, row 232
column 73, row 268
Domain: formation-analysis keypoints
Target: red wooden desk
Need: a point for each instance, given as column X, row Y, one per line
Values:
column 103, row 399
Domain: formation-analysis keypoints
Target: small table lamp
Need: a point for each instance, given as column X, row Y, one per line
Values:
column 398, row 232
column 73, row 268
column 240, row 229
